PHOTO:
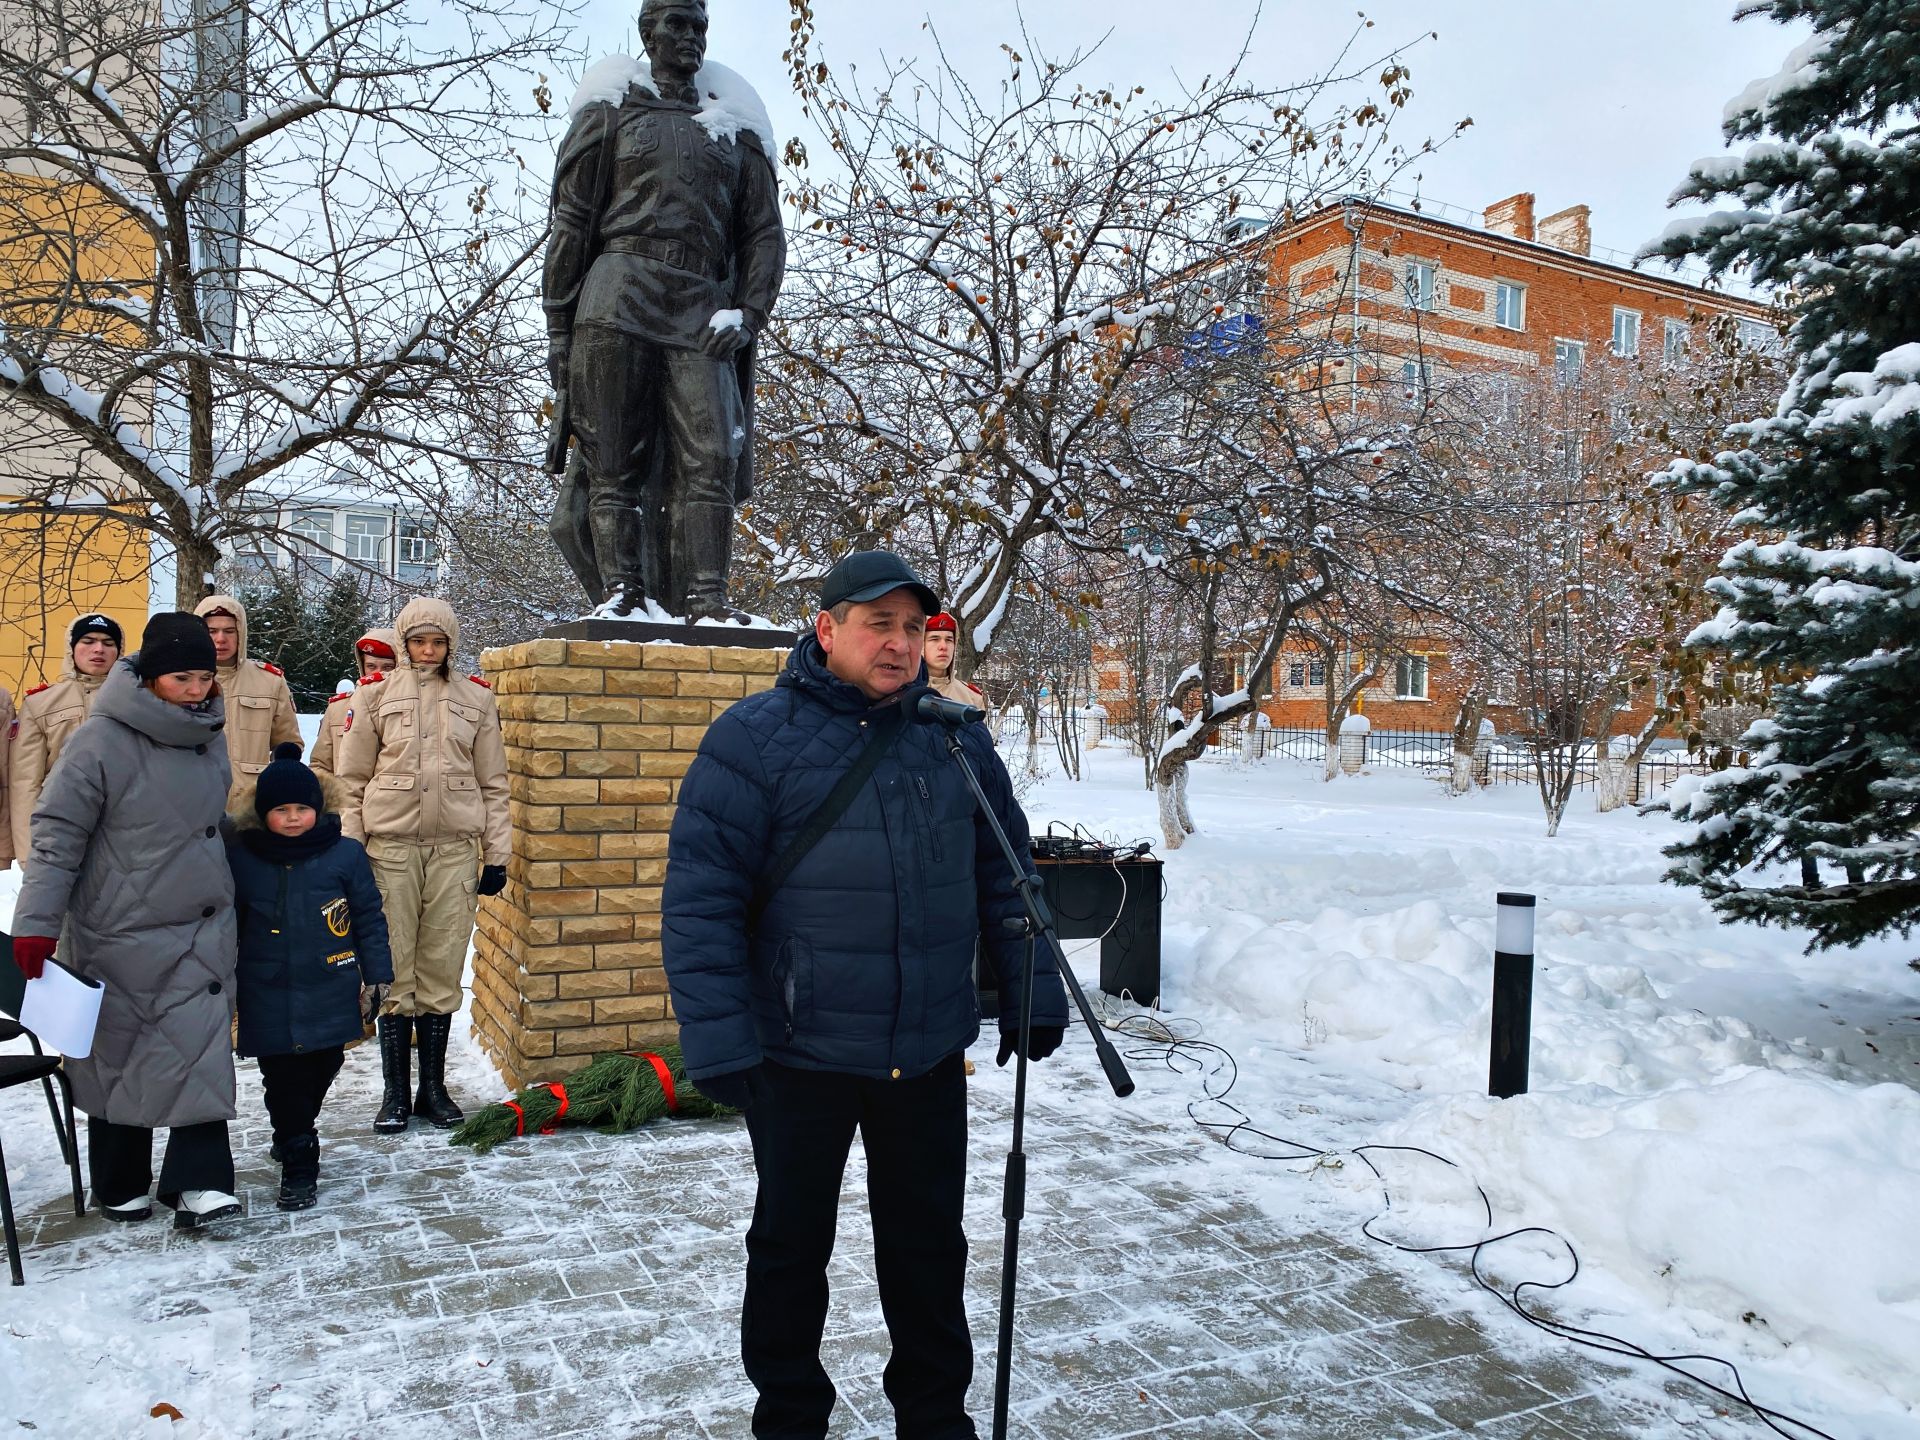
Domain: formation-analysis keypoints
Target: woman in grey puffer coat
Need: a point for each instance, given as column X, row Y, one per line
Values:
column 128, row 859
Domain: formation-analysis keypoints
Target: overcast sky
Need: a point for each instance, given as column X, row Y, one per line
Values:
column 1603, row 104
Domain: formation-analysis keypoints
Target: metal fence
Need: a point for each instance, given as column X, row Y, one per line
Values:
column 1507, row 760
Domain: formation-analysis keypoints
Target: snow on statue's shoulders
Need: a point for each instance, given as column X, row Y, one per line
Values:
column 728, row 104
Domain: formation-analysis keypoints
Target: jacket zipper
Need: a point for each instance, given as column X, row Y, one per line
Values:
column 926, row 810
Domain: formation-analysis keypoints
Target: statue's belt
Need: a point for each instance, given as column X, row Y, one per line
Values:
column 668, row 252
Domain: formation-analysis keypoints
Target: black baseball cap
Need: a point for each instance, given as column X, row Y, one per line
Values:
column 869, row 574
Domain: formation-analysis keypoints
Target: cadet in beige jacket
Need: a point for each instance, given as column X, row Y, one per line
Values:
column 942, row 639
column 375, row 653
column 260, row 713
column 426, row 775
column 49, row 714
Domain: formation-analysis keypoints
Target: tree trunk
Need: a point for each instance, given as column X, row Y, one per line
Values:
column 193, row 563
column 1466, row 742
column 1170, row 789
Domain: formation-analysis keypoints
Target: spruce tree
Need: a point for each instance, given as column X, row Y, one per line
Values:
column 1825, row 594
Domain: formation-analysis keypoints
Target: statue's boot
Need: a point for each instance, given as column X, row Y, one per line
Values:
column 617, row 553
column 707, row 534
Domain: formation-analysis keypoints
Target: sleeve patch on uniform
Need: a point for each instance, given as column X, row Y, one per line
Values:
column 271, row 668
column 484, row 683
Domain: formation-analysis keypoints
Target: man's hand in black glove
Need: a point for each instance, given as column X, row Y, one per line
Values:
column 738, row 1088
column 1045, row 1040
column 493, row 879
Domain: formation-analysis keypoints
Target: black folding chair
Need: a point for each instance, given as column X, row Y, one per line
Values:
column 23, row 1070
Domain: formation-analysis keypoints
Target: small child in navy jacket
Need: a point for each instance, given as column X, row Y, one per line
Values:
column 314, row 962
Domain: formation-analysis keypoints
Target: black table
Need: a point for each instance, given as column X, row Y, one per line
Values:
column 1116, row 901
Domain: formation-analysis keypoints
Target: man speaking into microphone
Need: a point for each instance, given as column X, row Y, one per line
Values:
column 827, row 879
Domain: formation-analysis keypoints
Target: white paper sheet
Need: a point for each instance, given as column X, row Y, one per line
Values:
column 62, row 1008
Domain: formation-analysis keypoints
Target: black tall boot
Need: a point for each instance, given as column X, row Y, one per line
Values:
column 431, row 1100
column 618, row 551
column 396, row 1066
column 706, row 531
column 300, row 1172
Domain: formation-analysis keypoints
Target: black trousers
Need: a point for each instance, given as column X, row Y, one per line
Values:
column 915, row 1133
column 296, row 1087
column 120, row 1160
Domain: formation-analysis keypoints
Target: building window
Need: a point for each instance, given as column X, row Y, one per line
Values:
column 312, row 532
column 417, row 556
column 1568, row 357
column 1410, row 678
column 1509, row 305
column 1419, row 284
column 367, row 539
column 1417, row 377
column 1674, row 345
column 1503, row 688
column 1303, row 673
column 1626, row 333
column 1758, row 335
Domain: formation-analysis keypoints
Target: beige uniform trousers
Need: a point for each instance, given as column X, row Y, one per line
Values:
column 430, row 893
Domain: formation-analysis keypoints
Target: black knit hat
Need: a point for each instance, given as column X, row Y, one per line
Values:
column 96, row 624
column 174, row 641
column 287, row 782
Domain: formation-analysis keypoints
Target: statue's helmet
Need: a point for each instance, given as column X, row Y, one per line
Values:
column 650, row 9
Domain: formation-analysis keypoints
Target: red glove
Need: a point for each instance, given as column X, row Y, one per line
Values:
column 31, row 953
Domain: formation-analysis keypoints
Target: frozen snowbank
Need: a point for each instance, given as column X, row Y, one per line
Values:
column 1709, row 1126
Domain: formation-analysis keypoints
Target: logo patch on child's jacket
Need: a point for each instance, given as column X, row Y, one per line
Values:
column 339, row 920
column 343, row 957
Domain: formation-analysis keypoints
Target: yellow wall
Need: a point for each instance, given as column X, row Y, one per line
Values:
column 56, row 238
column 53, row 570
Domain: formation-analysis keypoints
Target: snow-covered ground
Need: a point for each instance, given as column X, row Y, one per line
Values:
column 1726, row 1130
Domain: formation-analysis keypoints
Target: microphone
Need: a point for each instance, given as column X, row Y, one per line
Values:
column 932, row 709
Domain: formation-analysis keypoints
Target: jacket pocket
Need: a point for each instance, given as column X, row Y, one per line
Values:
column 793, row 981
column 922, row 800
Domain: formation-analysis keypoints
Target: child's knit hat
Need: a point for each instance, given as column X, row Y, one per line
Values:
column 287, row 782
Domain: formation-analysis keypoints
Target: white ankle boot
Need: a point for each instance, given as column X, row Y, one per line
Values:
column 203, row 1207
column 138, row 1208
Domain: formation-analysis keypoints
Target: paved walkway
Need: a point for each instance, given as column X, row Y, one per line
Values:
column 580, row 1285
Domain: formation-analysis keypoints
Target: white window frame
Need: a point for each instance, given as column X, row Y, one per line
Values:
column 1420, row 284
column 1502, row 290
column 1417, row 377
column 1406, row 670
column 1569, row 359
column 1757, row 334
column 404, row 545
column 352, row 544
column 1676, row 341
column 1626, row 332
column 306, row 541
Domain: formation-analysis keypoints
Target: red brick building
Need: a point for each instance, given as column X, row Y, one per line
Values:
column 1403, row 289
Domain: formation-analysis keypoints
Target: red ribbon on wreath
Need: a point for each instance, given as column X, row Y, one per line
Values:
column 660, row 1069
column 519, row 1117
column 559, row 1092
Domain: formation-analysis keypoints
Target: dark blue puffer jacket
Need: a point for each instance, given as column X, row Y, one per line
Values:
column 311, row 933
column 863, row 962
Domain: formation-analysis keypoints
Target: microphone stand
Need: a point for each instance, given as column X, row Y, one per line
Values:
column 1037, row 925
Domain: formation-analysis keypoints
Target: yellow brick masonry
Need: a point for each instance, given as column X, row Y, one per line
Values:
column 567, row 959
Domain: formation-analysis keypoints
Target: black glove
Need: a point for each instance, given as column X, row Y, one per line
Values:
column 738, row 1088
column 493, row 879
column 1044, row 1041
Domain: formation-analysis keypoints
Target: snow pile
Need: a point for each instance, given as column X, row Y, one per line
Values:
column 1708, row 1126
column 728, row 104
column 1772, row 1214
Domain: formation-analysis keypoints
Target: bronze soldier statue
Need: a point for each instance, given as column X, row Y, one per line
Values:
column 664, row 263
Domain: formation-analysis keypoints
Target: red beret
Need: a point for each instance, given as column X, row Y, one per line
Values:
column 943, row 621
column 371, row 646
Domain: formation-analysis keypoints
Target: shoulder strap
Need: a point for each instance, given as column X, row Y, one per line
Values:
column 887, row 729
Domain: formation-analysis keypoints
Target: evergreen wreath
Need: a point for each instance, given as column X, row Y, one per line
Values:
column 617, row 1091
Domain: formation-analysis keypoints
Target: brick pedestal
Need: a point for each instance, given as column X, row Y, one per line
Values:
column 567, row 959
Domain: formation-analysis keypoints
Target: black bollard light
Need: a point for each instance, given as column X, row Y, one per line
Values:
column 1512, row 994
